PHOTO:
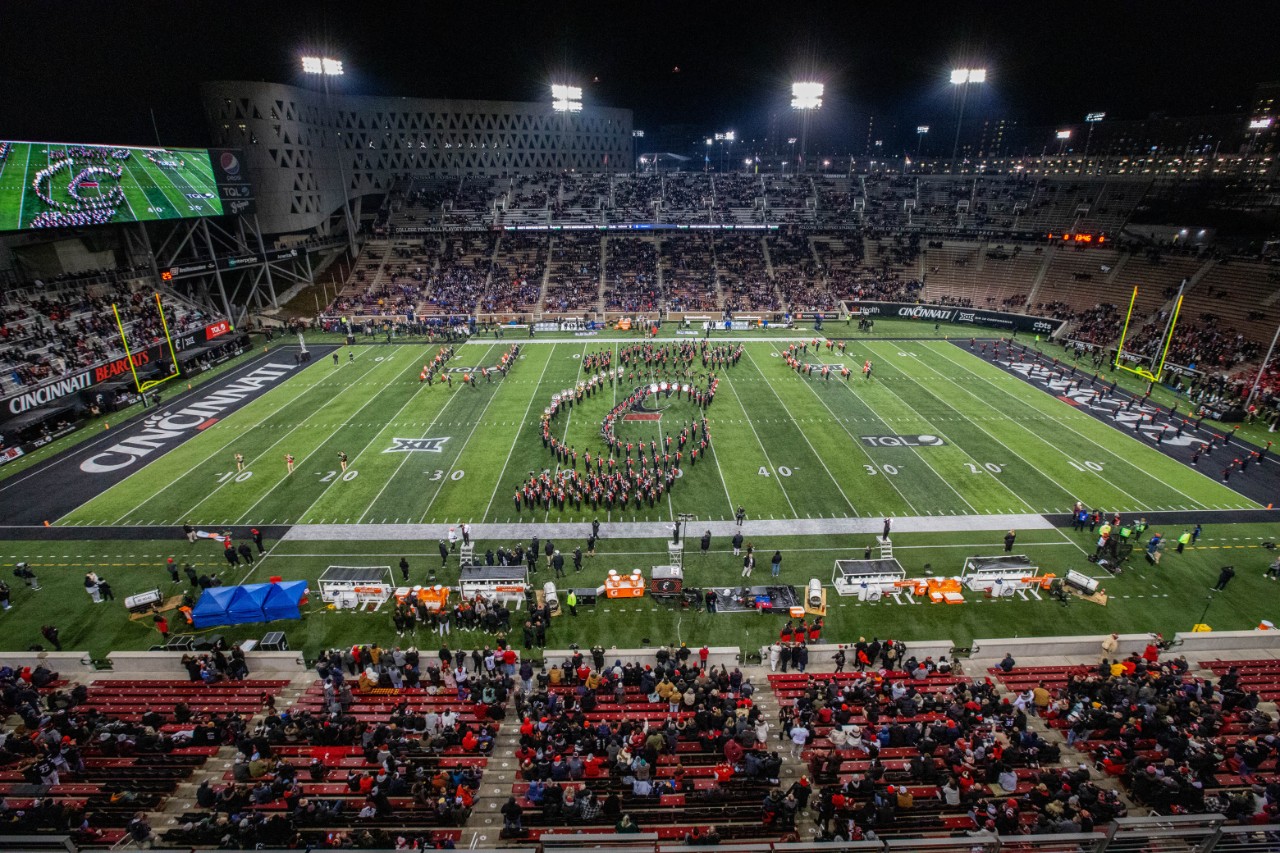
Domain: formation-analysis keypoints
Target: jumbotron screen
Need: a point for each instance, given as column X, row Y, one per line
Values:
column 59, row 185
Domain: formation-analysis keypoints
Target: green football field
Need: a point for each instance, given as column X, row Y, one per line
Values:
column 181, row 184
column 935, row 432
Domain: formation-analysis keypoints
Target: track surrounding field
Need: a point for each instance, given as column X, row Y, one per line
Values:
column 935, row 432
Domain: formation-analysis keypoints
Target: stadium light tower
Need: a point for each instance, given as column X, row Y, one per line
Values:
column 326, row 67
column 805, row 97
column 1090, row 119
column 962, row 77
column 1063, row 136
column 565, row 100
column 922, row 130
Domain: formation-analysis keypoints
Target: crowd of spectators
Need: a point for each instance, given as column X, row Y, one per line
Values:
column 744, row 281
column 631, row 276
column 603, row 743
column 46, row 334
column 516, row 281
column 417, row 725
column 688, row 273
column 1179, row 743
column 574, row 284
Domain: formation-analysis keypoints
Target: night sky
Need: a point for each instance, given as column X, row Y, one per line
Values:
column 90, row 71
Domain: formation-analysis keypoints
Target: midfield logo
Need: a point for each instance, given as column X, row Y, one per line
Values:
column 408, row 445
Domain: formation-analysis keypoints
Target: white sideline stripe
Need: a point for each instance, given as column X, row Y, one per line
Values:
column 654, row 529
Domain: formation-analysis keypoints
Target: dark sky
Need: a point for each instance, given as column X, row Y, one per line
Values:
column 90, row 71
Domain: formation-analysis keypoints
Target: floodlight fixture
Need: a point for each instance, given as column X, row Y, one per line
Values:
column 1064, row 134
column 1093, row 118
column 791, row 140
column 1261, row 123
column 638, row 134
column 922, row 128
column 806, row 96
column 961, row 76
column 566, row 99
column 322, row 65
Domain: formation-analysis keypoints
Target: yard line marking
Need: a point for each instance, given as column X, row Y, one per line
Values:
column 853, row 439
column 817, row 455
column 977, row 464
column 325, row 441
column 776, row 478
column 582, row 357
column 961, row 386
column 479, row 420
column 916, row 451
column 235, row 436
column 427, row 432
column 301, row 423
column 1064, row 422
column 77, row 451
column 512, row 448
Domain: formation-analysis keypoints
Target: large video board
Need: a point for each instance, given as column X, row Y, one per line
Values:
column 58, row 185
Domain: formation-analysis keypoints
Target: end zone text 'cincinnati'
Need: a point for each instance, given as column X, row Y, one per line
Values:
column 175, row 426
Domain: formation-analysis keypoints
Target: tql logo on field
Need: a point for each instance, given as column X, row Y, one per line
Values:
column 409, row 445
column 902, row 440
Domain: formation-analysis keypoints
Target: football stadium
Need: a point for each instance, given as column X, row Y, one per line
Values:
column 404, row 461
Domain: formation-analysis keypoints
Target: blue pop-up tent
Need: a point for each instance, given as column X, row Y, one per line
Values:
column 283, row 600
column 246, row 604
column 211, row 609
column 255, row 602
